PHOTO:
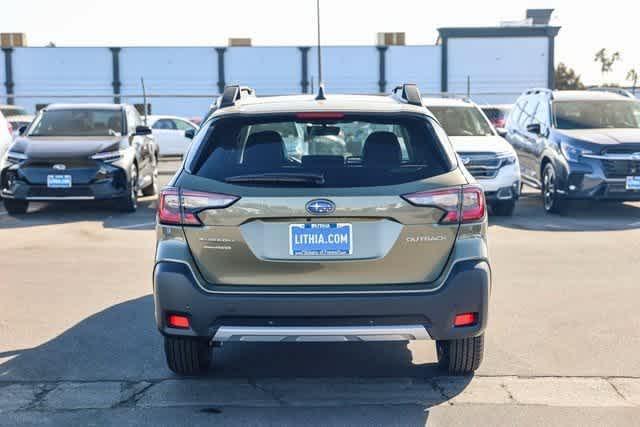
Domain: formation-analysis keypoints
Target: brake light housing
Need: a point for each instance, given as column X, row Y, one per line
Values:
column 181, row 207
column 461, row 204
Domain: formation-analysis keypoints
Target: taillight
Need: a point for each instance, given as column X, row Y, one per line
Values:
column 181, row 207
column 464, row 204
column 10, row 128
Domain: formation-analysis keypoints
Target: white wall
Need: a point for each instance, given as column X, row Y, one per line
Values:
column 505, row 65
column 346, row 69
column 61, row 71
column 269, row 70
column 170, row 71
column 414, row 64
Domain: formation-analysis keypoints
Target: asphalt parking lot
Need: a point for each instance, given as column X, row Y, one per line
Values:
column 78, row 343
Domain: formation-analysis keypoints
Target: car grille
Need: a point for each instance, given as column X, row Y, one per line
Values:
column 481, row 165
column 618, row 168
column 43, row 191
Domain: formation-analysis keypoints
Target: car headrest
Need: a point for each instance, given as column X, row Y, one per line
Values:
column 382, row 149
column 264, row 148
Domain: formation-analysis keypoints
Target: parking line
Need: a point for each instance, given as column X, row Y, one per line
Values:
column 137, row 225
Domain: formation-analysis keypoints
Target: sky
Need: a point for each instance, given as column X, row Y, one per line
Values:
column 586, row 26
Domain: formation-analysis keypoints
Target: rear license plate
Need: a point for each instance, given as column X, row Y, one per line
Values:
column 320, row 239
column 633, row 183
column 59, row 181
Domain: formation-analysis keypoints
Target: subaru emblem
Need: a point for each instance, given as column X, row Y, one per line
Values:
column 59, row 167
column 466, row 160
column 321, row 207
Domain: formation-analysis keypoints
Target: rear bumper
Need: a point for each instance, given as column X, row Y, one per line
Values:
column 338, row 317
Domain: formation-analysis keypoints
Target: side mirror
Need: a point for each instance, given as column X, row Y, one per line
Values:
column 142, row 131
column 22, row 130
column 190, row 133
column 502, row 132
column 534, row 128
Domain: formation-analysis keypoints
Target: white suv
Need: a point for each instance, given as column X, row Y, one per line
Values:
column 485, row 154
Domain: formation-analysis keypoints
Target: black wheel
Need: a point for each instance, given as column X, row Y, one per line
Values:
column 462, row 356
column 152, row 189
column 504, row 207
column 187, row 356
column 553, row 202
column 16, row 207
column 129, row 203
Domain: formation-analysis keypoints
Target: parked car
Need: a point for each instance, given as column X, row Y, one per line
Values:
column 18, row 117
column 6, row 137
column 80, row 152
column 387, row 244
column 497, row 114
column 169, row 133
column 487, row 156
column 577, row 145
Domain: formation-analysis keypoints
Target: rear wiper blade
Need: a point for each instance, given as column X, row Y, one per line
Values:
column 275, row 178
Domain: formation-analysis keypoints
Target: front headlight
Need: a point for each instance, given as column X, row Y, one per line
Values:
column 508, row 159
column 572, row 153
column 109, row 156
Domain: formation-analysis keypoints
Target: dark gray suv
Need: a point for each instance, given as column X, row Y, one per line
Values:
column 345, row 218
column 577, row 145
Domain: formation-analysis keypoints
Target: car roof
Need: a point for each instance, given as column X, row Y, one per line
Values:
column 309, row 103
column 500, row 106
column 162, row 116
column 447, row 102
column 582, row 95
column 96, row 106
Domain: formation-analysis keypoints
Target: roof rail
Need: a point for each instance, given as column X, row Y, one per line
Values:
column 617, row 90
column 233, row 94
column 537, row 90
column 410, row 93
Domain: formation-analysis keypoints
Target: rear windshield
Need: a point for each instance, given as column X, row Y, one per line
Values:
column 350, row 151
column 78, row 122
column 462, row 121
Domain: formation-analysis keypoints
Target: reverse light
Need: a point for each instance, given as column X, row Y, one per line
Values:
column 178, row 321
column 181, row 207
column 466, row 204
column 465, row 319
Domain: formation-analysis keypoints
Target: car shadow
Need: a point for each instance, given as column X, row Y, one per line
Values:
column 121, row 343
column 584, row 215
column 40, row 214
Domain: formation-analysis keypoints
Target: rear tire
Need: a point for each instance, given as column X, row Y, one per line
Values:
column 186, row 355
column 462, row 356
column 504, row 207
column 16, row 207
column 152, row 189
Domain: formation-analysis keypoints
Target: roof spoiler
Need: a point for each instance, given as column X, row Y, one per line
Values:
column 409, row 92
column 233, row 94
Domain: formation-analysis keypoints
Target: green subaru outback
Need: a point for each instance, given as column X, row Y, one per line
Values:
column 330, row 218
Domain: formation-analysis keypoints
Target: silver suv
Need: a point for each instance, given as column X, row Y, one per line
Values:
column 365, row 228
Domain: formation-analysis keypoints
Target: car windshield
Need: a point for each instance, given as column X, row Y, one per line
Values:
column 13, row 111
column 596, row 114
column 462, row 121
column 78, row 122
column 349, row 152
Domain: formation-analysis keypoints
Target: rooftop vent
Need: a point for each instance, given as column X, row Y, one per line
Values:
column 239, row 42
column 539, row 16
column 13, row 39
column 391, row 39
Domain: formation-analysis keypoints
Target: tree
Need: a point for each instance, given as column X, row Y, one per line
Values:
column 567, row 79
column 606, row 61
column 633, row 76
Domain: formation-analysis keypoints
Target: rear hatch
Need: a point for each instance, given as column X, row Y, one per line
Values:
column 333, row 208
